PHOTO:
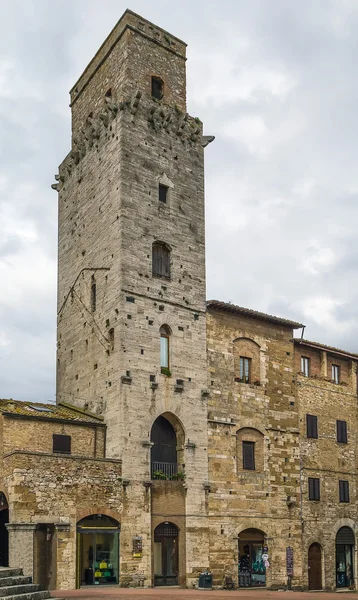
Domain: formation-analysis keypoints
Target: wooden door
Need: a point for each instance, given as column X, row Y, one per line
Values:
column 314, row 567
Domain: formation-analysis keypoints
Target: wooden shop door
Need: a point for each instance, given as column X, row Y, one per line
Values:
column 314, row 567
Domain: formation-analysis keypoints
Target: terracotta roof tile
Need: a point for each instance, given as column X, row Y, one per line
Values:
column 48, row 411
column 239, row 310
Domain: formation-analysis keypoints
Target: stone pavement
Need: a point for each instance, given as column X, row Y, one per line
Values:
column 183, row 594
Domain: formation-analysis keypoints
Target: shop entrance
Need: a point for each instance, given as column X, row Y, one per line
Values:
column 314, row 567
column 252, row 570
column 97, row 551
column 166, row 556
column 344, row 557
column 4, row 536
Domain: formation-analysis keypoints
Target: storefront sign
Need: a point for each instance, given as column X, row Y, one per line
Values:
column 289, row 561
column 137, row 546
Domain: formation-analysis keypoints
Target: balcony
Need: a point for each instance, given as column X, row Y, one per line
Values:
column 166, row 471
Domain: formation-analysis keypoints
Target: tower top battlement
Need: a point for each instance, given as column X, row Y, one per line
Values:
column 128, row 24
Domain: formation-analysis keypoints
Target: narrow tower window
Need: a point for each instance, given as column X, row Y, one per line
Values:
column 160, row 260
column 93, row 294
column 164, row 346
column 163, row 193
column 157, row 88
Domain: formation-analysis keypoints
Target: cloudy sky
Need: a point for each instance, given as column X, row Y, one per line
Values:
column 274, row 80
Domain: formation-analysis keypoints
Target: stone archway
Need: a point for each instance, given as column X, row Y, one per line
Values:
column 97, row 550
column 4, row 536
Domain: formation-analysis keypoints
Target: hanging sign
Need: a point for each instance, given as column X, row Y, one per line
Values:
column 289, row 561
column 137, row 546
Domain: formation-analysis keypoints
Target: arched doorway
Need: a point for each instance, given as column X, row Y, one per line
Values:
column 314, row 567
column 97, row 551
column 166, row 554
column 4, row 536
column 252, row 550
column 345, row 542
column 164, row 454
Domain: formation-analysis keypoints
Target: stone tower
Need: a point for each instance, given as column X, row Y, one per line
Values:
column 131, row 286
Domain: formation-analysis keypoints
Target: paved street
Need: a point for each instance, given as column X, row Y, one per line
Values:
column 181, row 594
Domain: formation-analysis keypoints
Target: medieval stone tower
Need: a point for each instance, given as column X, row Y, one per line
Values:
column 131, row 290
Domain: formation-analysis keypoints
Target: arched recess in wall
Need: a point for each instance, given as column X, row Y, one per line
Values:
column 250, row 450
column 167, row 453
column 4, row 537
column 246, row 360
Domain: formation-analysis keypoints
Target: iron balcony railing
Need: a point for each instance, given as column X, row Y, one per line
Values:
column 164, row 470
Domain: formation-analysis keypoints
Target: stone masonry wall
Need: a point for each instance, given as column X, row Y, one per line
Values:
column 267, row 498
column 23, row 434
column 62, row 490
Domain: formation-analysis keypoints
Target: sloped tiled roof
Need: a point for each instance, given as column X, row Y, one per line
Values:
column 319, row 346
column 248, row 312
column 38, row 410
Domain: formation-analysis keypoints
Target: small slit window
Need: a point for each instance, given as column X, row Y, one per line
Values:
column 164, row 347
column 93, row 294
column 163, row 193
column 160, row 260
column 157, row 88
column 61, row 444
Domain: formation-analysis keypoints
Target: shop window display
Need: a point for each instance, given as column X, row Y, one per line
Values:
column 252, row 563
column 98, row 548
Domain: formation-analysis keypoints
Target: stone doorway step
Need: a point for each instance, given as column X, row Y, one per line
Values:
column 15, row 586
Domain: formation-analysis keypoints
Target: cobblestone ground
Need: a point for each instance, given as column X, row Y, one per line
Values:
column 181, row 594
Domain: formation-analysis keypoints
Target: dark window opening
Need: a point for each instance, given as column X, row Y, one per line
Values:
column 343, row 491
column 109, row 93
column 314, row 492
column 163, row 193
column 61, row 444
column 342, row 432
column 160, row 260
column 312, row 426
column 245, row 369
column 248, row 456
column 157, row 88
column 93, row 294
column 164, row 450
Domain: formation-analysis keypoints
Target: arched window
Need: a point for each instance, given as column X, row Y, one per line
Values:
column 160, row 260
column 246, row 361
column 164, row 346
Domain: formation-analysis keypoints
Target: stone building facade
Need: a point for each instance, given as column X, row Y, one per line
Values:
column 188, row 435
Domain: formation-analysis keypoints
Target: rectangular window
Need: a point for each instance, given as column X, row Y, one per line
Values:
column 314, row 492
column 245, row 369
column 311, row 426
column 163, row 193
column 164, row 351
column 157, row 88
column 335, row 373
column 61, row 444
column 305, row 366
column 342, row 432
column 248, row 456
column 343, row 491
